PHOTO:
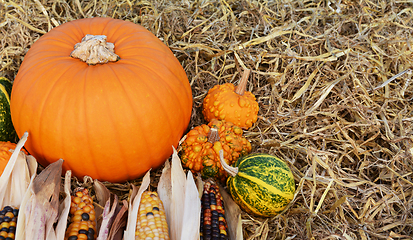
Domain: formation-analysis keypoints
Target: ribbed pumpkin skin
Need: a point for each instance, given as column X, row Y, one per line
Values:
column 263, row 186
column 7, row 132
column 110, row 121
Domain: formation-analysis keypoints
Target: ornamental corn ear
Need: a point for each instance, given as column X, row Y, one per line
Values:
column 213, row 224
column 82, row 221
column 151, row 223
column 8, row 220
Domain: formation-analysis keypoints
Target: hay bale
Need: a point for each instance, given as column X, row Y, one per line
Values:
column 333, row 82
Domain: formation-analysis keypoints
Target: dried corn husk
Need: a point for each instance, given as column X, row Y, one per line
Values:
column 135, row 199
column 39, row 209
column 105, row 197
column 180, row 197
column 119, row 222
column 16, row 177
column 64, row 208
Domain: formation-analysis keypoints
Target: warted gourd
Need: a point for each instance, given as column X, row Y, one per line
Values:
column 200, row 149
column 230, row 103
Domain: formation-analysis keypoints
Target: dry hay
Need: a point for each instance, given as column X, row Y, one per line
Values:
column 333, row 82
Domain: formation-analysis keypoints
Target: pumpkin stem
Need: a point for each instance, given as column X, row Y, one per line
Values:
column 230, row 170
column 213, row 135
column 240, row 89
column 94, row 49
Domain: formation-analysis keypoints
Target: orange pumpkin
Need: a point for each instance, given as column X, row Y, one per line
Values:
column 230, row 103
column 111, row 120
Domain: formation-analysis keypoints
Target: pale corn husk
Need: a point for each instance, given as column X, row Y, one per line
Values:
column 200, row 185
column 104, row 196
column 191, row 217
column 165, row 190
column 39, row 209
column 134, row 207
column 180, row 197
column 102, row 193
column 17, row 175
column 119, row 222
column 64, row 208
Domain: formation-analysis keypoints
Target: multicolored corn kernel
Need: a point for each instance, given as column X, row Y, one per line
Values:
column 213, row 223
column 151, row 223
column 8, row 221
column 82, row 217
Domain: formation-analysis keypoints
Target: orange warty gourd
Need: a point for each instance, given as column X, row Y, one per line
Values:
column 200, row 149
column 112, row 117
column 5, row 154
column 230, row 103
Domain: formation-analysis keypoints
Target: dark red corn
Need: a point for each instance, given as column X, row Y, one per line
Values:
column 213, row 224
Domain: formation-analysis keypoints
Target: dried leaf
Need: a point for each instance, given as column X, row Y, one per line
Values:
column 102, row 196
column 119, row 222
column 108, row 216
column 40, row 206
column 102, row 193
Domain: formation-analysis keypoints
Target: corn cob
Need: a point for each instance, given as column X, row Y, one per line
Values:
column 82, row 222
column 8, row 220
column 213, row 224
column 151, row 223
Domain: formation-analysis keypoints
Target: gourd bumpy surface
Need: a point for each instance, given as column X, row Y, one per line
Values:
column 201, row 155
column 5, row 153
column 222, row 102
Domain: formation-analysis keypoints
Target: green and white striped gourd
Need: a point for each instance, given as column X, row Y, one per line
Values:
column 261, row 184
column 7, row 132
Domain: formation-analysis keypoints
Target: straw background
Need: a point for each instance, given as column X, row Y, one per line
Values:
column 333, row 80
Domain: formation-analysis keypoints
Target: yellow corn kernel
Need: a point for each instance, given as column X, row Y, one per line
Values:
column 151, row 222
column 78, row 212
column 82, row 204
column 76, row 200
column 5, row 225
column 79, row 194
column 82, row 219
column 87, row 209
column 82, row 236
column 84, row 226
column 9, row 214
column 77, row 218
column 9, row 219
